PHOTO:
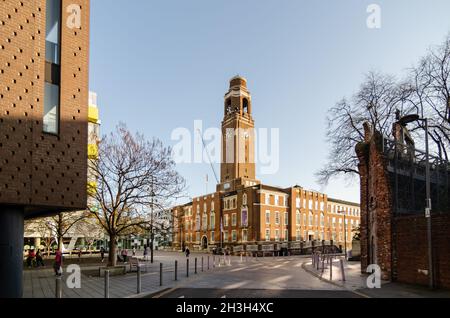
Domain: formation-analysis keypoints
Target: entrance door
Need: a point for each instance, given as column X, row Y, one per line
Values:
column 205, row 242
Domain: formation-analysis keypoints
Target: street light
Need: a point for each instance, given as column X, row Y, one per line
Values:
column 345, row 233
column 403, row 122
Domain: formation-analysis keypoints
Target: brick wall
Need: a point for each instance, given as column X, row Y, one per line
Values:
column 42, row 172
column 412, row 249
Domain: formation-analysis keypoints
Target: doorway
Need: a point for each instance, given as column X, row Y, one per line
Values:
column 204, row 243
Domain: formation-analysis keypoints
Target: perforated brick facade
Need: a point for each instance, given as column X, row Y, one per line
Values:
column 41, row 171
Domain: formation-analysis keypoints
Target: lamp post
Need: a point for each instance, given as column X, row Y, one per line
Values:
column 345, row 233
column 403, row 122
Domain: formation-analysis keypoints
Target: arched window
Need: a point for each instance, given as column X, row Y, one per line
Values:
column 245, row 105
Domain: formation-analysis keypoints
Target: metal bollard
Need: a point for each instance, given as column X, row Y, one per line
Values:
column 214, row 261
column 160, row 274
column 58, row 287
column 107, row 284
column 323, row 263
column 176, row 270
column 195, row 265
column 342, row 270
column 208, row 262
column 187, row 267
column 202, row 263
column 331, row 268
column 139, row 286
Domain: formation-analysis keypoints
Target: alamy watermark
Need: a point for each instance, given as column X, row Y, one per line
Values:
column 374, row 19
column 259, row 146
column 74, row 18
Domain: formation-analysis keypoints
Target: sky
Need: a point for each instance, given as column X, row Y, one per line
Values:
column 161, row 65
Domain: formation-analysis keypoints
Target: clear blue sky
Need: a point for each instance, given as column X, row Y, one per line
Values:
column 159, row 65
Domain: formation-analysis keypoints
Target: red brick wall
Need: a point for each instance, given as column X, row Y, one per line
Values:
column 412, row 249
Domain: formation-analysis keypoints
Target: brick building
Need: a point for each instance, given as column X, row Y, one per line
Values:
column 44, row 52
column 249, row 212
column 393, row 222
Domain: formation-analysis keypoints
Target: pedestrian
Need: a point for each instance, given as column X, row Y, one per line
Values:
column 188, row 252
column 124, row 255
column 39, row 260
column 31, row 258
column 58, row 263
column 146, row 253
column 102, row 253
column 134, row 251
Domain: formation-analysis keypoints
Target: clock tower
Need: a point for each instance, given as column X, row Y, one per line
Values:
column 238, row 138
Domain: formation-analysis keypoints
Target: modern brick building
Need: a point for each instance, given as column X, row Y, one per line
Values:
column 44, row 52
column 253, row 215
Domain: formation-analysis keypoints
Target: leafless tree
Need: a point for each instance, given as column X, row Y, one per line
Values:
column 62, row 223
column 424, row 91
column 375, row 102
column 132, row 173
column 429, row 83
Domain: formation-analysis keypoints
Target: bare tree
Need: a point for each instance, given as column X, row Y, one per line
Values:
column 40, row 227
column 429, row 83
column 375, row 102
column 62, row 223
column 130, row 172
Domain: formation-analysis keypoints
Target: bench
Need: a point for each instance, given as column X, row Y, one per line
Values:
column 135, row 263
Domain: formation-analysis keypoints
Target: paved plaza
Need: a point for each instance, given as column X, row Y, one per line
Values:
column 233, row 277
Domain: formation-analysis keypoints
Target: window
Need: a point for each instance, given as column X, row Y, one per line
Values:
column 244, row 236
column 244, row 217
column 321, row 206
column 277, row 217
column 225, row 222
column 234, row 236
column 286, row 235
column 212, row 221
column 277, row 198
column 322, row 220
column 204, row 207
column 205, row 222
column 310, row 203
column 286, row 218
column 298, row 203
column 267, row 234
column 298, row 236
column 267, row 217
column 197, row 223
column 197, row 237
column 267, row 198
column 311, row 219
column 277, row 235
column 234, row 219
column 212, row 236
column 225, row 236
column 298, row 217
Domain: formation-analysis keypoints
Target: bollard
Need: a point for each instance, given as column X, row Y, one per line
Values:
column 176, row 270
column 160, row 274
column 241, row 257
column 214, row 261
column 139, row 286
column 331, row 268
column 202, row 263
column 342, row 270
column 107, row 284
column 58, row 290
column 208, row 262
column 195, row 266
column 323, row 263
column 187, row 267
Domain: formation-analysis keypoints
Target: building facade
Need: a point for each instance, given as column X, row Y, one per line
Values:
column 243, row 211
column 44, row 55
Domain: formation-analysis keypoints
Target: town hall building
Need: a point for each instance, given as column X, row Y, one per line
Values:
column 244, row 212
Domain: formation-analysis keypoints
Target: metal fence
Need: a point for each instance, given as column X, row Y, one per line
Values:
column 407, row 175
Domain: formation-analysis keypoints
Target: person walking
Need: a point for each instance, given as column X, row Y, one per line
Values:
column 57, row 266
column 39, row 260
column 188, row 252
column 146, row 253
column 102, row 253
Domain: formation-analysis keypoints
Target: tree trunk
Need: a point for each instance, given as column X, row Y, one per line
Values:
column 112, row 257
column 60, row 243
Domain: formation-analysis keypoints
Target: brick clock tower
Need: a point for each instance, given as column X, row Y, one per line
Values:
column 238, row 139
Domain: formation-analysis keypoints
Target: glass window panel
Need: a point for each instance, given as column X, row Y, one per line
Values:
column 51, row 108
column 53, row 17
